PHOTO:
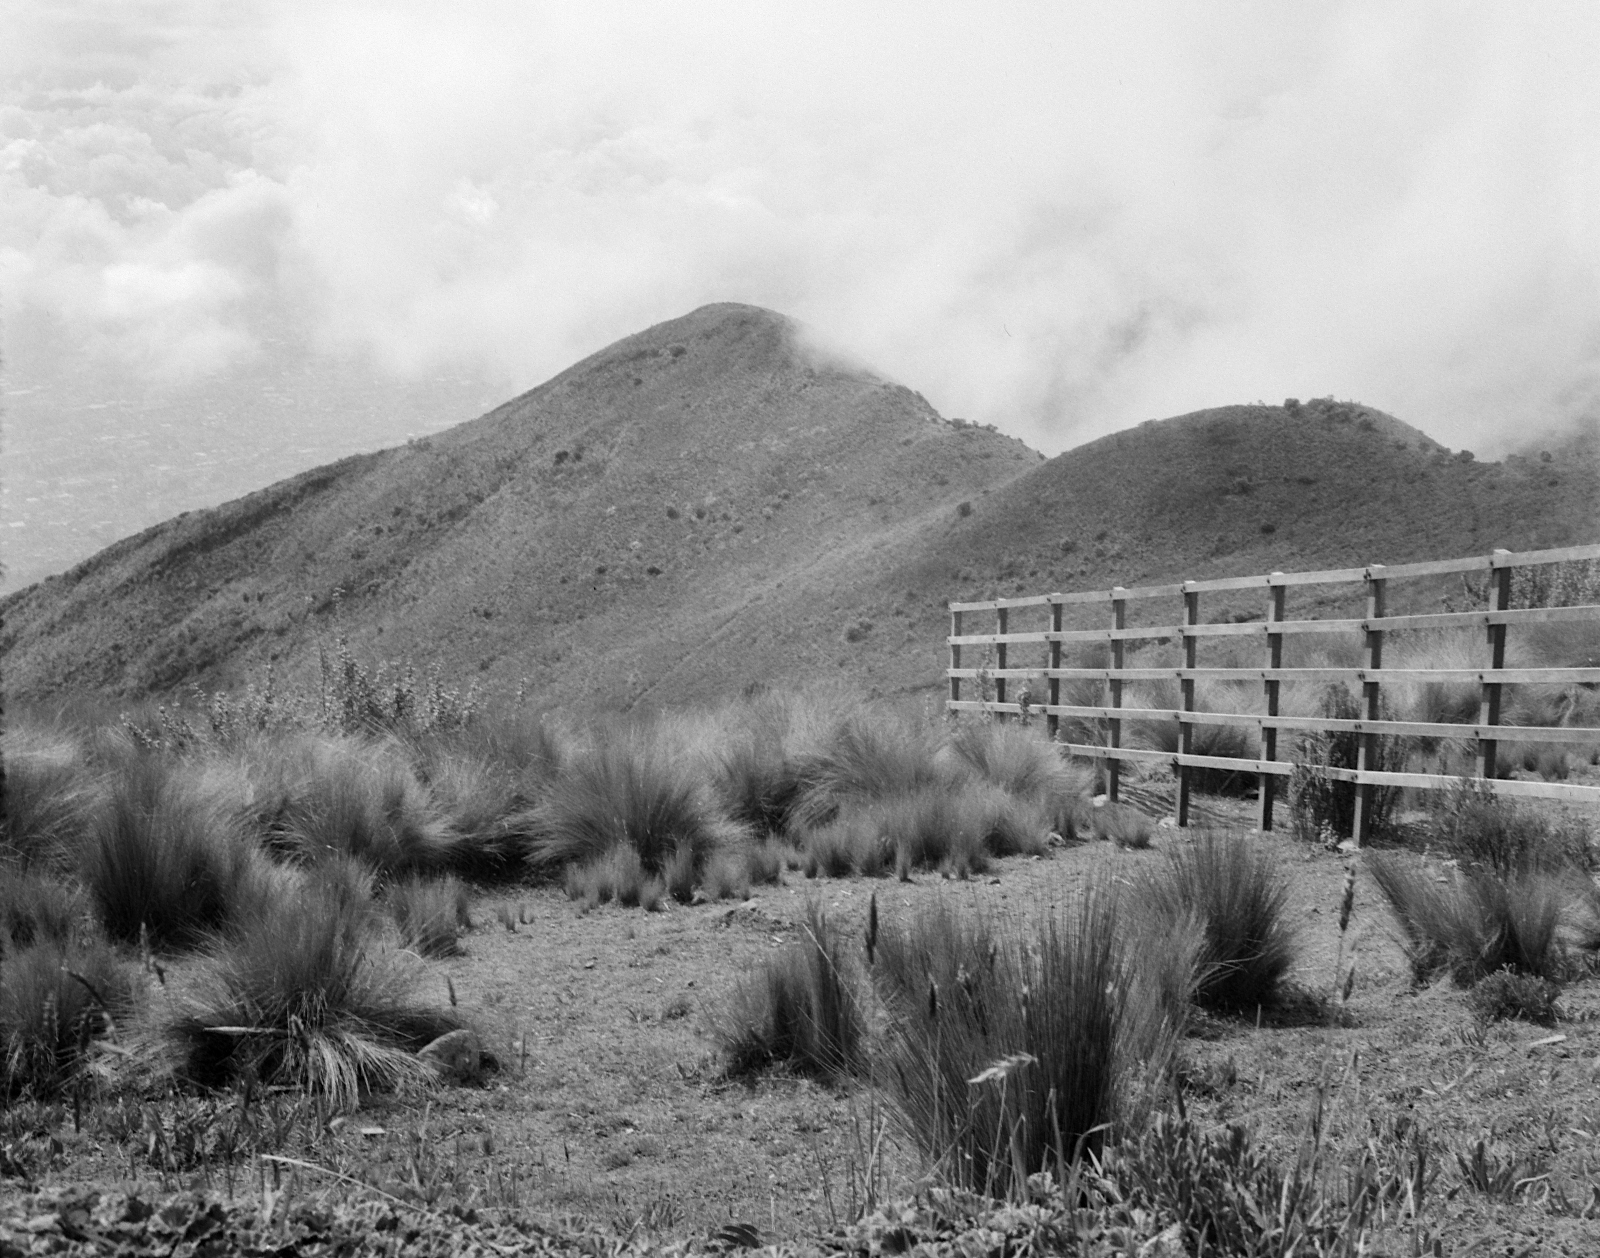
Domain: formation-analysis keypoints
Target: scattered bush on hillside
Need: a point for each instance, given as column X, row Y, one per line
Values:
column 1477, row 922
column 389, row 698
column 1228, row 888
column 799, row 1009
column 55, row 999
column 301, row 997
column 1008, row 1043
column 430, row 914
column 165, row 861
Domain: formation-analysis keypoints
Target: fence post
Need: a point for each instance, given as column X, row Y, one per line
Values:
column 1269, row 733
column 955, row 655
column 1367, row 749
column 1119, row 616
column 1191, row 616
column 1053, row 722
column 1489, row 705
column 1000, row 618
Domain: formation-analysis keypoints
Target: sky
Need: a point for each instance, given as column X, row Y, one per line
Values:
column 239, row 239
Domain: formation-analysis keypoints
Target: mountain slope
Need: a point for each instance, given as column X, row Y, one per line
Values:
column 711, row 503
column 648, row 491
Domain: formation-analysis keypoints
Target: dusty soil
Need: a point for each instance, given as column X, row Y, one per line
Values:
column 610, row 1103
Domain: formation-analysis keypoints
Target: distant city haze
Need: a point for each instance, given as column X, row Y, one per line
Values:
column 240, row 240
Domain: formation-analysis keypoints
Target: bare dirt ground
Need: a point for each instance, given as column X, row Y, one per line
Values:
column 610, row 1102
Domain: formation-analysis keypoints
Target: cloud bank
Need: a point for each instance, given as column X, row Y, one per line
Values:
column 1057, row 219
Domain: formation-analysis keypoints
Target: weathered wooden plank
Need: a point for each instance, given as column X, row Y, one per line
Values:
column 986, row 639
column 1579, row 735
column 1509, row 676
column 1562, row 554
column 1501, row 786
column 996, row 604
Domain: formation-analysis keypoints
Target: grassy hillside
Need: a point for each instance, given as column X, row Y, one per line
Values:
column 710, row 504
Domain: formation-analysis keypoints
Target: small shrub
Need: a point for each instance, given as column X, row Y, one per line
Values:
column 799, row 1010
column 1322, row 805
column 1476, row 923
column 1503, row 837
column 54, row 999
column 301, row 998
column 1230, row 890
column 1123, row 825
column 1506, row 994
column 431, row 914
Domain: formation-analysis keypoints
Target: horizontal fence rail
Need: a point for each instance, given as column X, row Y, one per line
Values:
column 998, row 672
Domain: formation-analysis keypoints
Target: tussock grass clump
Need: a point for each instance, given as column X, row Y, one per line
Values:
column 870, row 756
column 430, row 914
column 949, row 826
column 628, row 791
column 799, row 1009
column 1122, row 824
column 301, row 997
column 166, row 860
column 50, row 799
column 1008, row 1043
column 486, row 778
column 618, row 875
column 1022, row 762
column 55, row 998
column 1477, row 922
column 35, row 910
column 326, row 796
column 1228, row 889
column 1231, row 741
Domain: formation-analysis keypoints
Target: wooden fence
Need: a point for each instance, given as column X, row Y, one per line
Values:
column 1495, row 619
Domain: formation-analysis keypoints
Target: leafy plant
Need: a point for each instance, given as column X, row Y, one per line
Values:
column 1321, row 805
column 1506, row 994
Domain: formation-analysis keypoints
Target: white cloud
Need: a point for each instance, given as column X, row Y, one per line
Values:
column 1057, row 219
